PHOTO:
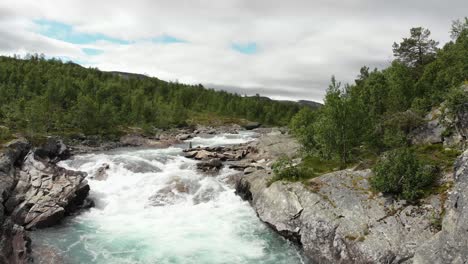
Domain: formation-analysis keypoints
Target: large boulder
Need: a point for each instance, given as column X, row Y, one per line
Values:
column 53, row 150
column 252, row 125
column 45, row 193
column 451, row 244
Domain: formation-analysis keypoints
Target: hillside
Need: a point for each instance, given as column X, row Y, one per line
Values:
column 49, row 96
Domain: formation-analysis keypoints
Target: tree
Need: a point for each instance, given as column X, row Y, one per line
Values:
column 458, row 27
column 417, row 50
column 339, row 129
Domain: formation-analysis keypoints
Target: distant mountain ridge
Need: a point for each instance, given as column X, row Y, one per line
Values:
column 311, row 104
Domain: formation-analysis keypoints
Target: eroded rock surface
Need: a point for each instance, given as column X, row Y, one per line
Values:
column 35, row 193
column 336, row 218
column 451, row 244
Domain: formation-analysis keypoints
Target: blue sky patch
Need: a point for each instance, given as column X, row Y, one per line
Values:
column 65, row 32
column 92, row 52
column 167, row 39
column 245, row 48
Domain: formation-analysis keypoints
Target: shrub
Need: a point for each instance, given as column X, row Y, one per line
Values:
column 284, row 169
column 400, row 173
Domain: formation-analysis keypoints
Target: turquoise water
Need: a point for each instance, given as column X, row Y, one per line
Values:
column 154, row 207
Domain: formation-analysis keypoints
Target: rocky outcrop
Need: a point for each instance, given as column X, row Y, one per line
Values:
column 443, row 125
column 451, row 244
column 35, row 193
column 15, row 244
column 336, row 218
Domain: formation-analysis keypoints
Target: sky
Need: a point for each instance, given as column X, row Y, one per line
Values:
column 281, row 49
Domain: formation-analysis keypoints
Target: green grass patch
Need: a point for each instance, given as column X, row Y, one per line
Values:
column 213, row 119
column 437, row 155
column 310, row 167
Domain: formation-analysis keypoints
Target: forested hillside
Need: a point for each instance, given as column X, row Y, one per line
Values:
column 49, row 96
column 379, row 111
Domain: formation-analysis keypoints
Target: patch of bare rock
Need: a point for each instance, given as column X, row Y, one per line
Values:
column 35, row 193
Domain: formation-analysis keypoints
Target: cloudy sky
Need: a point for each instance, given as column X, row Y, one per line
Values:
column 283, row 49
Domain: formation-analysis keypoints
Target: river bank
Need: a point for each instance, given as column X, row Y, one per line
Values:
column 333, row 218
column 338, row 218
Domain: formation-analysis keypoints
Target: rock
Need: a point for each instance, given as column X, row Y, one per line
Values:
column 45, row 254
column 252, row 125
column 101, row 173
column 15, row 244
column 212, row 165
column 428, row 133
column 183, row 136
column 173, row 193
column 451, row 244
column 45, row 193
column 53, row 149
column 249, row 170
column 208, row 191
column 337, row 219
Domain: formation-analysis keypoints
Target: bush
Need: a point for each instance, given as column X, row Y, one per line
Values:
column 284, row 169
column 400, row 173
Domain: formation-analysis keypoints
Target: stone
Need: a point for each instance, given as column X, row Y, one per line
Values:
column 47, row 192
column 450, row 245
column 183, row 136
column 252, row 125
column 210, row 165
column 101, row 173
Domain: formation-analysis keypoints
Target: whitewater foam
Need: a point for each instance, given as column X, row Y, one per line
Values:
column 202, row 221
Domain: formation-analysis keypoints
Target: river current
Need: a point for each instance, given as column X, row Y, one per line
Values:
column 155, row 207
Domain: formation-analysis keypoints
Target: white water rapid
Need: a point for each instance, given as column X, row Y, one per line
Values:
column 154, row 207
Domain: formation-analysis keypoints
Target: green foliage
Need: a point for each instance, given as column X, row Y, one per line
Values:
column 417, row 50
column 44, row 96
column 284, row 169
column 400, row 173
column 5, row 134
column 302, row 128
column 340, row 124
column 457, row 101
column 380, row 110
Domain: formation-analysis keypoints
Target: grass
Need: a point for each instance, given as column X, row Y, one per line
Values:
column 437, row 155
column 212, row 119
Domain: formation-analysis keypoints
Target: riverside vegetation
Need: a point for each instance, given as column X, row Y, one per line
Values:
column 380, row 113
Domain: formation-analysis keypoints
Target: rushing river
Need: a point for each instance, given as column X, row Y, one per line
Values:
column 154, row 207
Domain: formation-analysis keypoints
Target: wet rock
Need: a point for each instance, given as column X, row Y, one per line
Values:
column 249, row 170
column 212, row 165
column 101, row 173
column 45, row 254
column 207, row 192
column 183, row 136
column 15, row 244
column 173, row 193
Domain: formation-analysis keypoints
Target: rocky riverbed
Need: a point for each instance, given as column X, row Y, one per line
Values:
column 334, row 218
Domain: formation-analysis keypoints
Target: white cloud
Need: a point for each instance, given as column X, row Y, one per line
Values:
column 301, row 43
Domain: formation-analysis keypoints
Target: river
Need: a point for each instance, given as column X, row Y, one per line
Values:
column 155, row 207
